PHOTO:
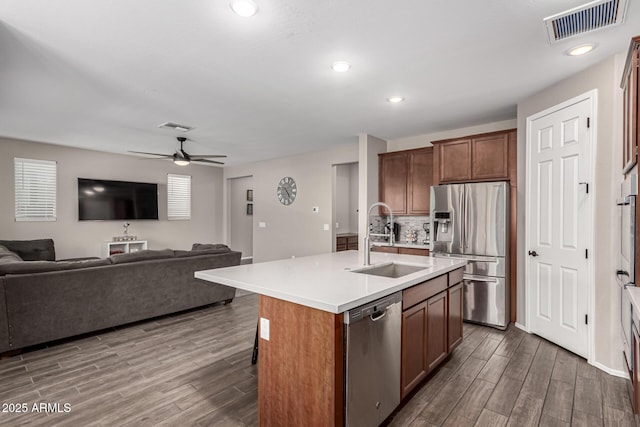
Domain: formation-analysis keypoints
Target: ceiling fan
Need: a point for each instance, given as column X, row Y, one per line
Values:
column 182, row 158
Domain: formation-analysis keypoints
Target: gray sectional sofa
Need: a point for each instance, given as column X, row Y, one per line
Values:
column 42, row 300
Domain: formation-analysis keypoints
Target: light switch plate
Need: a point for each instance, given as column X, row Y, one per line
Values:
column 262, row 224
column 326, row 227
column 264, row 329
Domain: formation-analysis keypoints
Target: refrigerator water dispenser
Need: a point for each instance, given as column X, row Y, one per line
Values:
column 442, row 229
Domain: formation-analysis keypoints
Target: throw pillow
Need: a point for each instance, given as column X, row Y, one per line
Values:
column 207, row 246
column 32, row 250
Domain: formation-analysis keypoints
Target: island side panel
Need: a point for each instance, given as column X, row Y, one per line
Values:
column 300, row 368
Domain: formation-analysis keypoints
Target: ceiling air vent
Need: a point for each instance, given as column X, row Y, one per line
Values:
column 175, row 126
column 592, row 16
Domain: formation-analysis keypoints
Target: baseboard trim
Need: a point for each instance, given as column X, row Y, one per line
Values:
column 614, row 372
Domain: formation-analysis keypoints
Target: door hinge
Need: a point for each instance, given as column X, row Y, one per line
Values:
column 586, row 319
column 586, row 253
column 588, row 122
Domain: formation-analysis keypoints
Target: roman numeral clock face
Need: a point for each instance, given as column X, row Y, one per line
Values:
column 287, row 190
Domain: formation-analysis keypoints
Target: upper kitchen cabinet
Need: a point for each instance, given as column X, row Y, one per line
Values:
column 476, row 158
column 631, row 112
column 405, row 179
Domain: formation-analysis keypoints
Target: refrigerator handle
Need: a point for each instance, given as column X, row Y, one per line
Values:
column 461, row 218
column 465, row 223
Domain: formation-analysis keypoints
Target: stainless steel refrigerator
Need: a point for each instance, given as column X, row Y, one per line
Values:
column 471, row 221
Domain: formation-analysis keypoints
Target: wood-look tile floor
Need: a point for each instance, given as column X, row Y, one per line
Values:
column 194, row 368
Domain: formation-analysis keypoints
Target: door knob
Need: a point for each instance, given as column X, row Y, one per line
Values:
column 533, row 253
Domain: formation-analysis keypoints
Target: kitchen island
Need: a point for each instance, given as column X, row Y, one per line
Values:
column 302, row 306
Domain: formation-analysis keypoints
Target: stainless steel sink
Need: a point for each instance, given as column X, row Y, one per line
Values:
column 392, row 270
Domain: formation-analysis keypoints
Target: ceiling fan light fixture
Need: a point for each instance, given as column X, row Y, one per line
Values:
column 244, row 8
column 180, row 161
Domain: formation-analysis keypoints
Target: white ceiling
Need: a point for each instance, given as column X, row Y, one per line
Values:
column 103, row 74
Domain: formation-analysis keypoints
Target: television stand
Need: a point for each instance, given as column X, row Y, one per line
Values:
column 112, row 248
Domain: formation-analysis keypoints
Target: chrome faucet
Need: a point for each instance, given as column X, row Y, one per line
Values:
column 367, row 240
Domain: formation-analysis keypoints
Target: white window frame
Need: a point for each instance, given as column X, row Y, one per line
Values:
column 178, row 197
column 35, row 189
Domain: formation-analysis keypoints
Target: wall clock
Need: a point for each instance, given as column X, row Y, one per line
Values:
column 287, row 190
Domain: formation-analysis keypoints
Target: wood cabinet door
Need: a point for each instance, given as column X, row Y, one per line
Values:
column 420, row 180
column 437, row 325
column 341, row 244
column 386, row 249
column 455, row 161
column 635, row 380
column 414, row 347
column 413, row 251
column 393, row 181
column 490, row 157
column 455, row 316
column 630, row 110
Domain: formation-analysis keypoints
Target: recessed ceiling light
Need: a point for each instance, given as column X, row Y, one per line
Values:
column 244, row 8
column 340, row 66
column 395, row 99
column 580, row 50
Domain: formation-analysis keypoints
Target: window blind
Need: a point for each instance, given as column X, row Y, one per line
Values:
column 178, row 197
column 35, row 193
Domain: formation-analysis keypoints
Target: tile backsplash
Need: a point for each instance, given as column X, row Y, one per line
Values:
column 406, row 223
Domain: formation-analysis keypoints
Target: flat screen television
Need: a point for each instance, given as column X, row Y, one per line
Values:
column 103, row 200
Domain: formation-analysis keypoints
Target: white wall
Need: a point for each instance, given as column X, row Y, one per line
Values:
column 346, row 198
column 368, row 149
column 605, row 77
column 240, row 224
column 424, row 140
column 342, row 195
column 75, row 238
column 353, row 198
column 293, row 230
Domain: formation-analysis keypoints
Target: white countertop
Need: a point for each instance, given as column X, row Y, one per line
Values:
column 325, row 281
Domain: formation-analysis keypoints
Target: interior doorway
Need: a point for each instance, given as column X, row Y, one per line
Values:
column 241, row 216
column 345, row 200
column 559, row 224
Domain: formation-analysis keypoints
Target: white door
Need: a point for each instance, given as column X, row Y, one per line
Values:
column 558, row 224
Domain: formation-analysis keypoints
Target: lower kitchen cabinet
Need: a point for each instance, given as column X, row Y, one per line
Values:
column 401, row 250
column 347, row 242
column 437, row 324
column 455, row 315
column 385, row 249
column 635, row 376
column 431, row 326
column 414, row 347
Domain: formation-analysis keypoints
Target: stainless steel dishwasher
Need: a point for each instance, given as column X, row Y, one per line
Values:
column 372, row 361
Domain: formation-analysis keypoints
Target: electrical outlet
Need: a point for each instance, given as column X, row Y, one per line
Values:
column 264, row 329
column 262, row 224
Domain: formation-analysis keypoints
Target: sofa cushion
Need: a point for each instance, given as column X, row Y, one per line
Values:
column 29, row 267
column 210, row 246
column 141, row 256
column 32, row 250
column 183, row 254
column 7, row 256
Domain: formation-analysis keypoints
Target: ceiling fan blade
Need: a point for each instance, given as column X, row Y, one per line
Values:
column 153, row 154
column 206, row 156
column 206, row 161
